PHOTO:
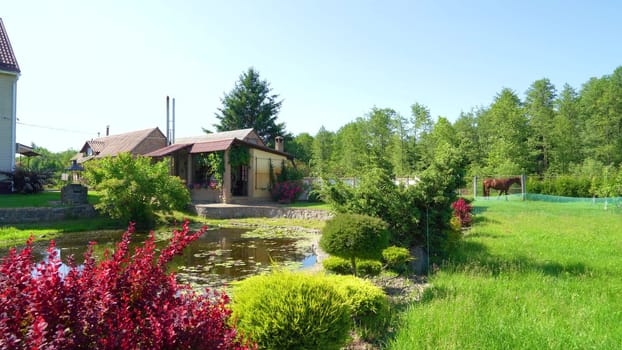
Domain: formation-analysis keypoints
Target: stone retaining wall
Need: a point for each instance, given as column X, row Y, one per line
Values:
column 244, row 211
column 29, row 215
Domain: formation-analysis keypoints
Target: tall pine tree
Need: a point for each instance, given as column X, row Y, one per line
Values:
column 251, row 105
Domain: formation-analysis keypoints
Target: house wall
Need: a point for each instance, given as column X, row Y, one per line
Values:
column 153, row 142
column 259, row 174
column 8, row 88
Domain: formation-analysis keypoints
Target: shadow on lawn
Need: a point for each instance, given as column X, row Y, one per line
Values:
column 474, row 258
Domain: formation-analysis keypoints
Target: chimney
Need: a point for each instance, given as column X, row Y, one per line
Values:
column 278, row 144
column 107, row 130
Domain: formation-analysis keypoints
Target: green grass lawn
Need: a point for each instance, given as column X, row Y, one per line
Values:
column 17, row 234
column 529, row 275
column 310, row 205
column 41, row 199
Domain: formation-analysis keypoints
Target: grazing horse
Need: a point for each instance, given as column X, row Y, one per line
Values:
column 503, row 185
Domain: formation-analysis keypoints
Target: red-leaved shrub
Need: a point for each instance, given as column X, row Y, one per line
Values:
column 286, row 191
column 462, row 210
column 125, row 301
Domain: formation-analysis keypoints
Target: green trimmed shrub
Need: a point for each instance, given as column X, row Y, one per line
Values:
column 285, row 310
column 354, row 236
column 368, row 267
column 337, row 265
column 342, row 266
column 370, row 306
column 397, row 258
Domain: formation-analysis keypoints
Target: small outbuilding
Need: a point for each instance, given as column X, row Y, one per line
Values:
column 226, row 167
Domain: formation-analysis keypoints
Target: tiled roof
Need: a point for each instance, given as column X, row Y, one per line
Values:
column 211, row 146
column 225, row 135
column 135, row 142
column 8, row 62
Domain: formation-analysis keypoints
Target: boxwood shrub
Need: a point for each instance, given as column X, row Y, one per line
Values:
column 396, row 258
column 343, row 266
column 286, row 310
column 369, row 305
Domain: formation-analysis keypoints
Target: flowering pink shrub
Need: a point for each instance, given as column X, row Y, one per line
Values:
column 126, row 301
column 462, row 210
column 286, row 191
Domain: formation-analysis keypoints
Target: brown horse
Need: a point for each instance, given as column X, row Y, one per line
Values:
column 503, row 185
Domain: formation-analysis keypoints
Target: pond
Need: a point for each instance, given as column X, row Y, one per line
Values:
column 217, row 258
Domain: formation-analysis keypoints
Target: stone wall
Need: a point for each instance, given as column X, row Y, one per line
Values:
column 246, row 211
column 30, row 215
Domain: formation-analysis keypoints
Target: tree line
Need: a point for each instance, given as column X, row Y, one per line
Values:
column 546, row 133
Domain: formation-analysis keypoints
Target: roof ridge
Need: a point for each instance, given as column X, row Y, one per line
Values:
column 8, row 62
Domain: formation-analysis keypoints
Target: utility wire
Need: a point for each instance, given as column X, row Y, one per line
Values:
column 57, row 129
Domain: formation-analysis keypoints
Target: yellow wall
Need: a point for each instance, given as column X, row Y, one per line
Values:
column 260, row 170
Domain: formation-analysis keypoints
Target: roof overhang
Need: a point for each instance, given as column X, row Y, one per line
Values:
column 25, row 150
column 168, row 150
column 211, row 146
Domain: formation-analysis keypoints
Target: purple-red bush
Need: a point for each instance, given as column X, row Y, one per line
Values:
column 286, row 191
column 462, row 210
column 126, row 301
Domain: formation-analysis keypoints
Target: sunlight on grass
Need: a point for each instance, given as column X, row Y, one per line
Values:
column 529, row 275
column 17, row 234
column 37, row 200
column 41, row 199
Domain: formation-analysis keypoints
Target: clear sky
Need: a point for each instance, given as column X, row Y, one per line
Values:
column 89, row 64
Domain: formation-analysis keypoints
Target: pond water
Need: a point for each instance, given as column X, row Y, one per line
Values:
column 218, row 257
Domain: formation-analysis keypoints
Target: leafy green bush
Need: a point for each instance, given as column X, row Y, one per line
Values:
column 285, row 310
column 397, row 258
column 370, row 306
column 375, row 195
column 353, row 236
column 566, row 186
column 416, row 215
column 315, row 194
column 134, row 189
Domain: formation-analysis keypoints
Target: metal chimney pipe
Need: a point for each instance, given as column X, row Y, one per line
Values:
column 168, row 131
column 173, row 126
column 107, row 130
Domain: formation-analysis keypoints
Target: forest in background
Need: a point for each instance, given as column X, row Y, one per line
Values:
column 546, row 133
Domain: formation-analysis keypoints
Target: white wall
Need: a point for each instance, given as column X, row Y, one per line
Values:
column 8, row 89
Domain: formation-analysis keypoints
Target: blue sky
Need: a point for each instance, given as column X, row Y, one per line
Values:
column 88, row 64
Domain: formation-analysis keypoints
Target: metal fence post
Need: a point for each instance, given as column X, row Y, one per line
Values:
column 523, row 186
column 474, row 187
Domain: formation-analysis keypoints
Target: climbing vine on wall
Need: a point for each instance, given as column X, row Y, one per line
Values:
column 239, row 155
column 216, row 162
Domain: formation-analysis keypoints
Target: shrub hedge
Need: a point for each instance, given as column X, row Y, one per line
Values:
column 342, row 266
